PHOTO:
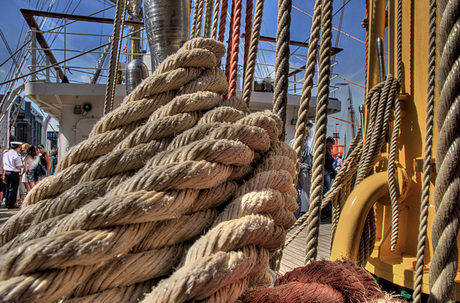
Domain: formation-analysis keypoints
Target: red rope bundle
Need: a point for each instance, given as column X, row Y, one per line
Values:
column 320, row 281
column 231, row 69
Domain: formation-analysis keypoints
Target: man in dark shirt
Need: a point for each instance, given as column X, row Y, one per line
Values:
column 328, row 174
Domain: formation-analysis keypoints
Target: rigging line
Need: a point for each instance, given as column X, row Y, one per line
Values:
column 15, row 53
column 343, row 6
column 71, row 22
column 66, row 10
column 66, row 60
column 340, row 27
column 8, row 47
column 342, row 32
column 348, row 80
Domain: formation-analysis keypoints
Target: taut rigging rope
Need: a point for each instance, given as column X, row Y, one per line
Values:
column 444, row 263
column 425, row 199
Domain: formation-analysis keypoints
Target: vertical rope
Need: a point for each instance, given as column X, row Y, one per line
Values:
column 283, row 37
column 208, row 18
column 307, row 82
column 392, row 177
column 444, row 264
column 118, row 57
column 252, row 56
column 320, row 130
column 230, row 42
column 215, row 19
column 247, row 34
column 199, row 18
column 194, row 19
column 425, row 200
column 233, row 72
column 110, row 88
column 366, row 2
column 394, row 138
column 223, row 20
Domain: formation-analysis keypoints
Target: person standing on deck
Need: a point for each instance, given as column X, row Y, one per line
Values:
column 44, row 159
column 13, row 165
column 329, row 174
column 54, row 160
column 304, row 177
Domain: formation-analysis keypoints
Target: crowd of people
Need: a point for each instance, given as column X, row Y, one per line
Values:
column 23, row 167
column 331, row 167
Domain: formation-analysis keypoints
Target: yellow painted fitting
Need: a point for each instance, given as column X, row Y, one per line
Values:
column 354, row 213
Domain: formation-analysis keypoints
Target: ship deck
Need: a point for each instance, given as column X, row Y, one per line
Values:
column 294, row 253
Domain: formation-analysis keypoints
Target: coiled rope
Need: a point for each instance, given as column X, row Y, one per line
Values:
column 141, row 219
column 425, row 199
column 444, row 263
column 320, row 281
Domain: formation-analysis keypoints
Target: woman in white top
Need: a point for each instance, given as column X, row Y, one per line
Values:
column 30, row 163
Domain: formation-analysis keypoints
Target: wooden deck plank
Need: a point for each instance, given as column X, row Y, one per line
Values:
column 294, row 253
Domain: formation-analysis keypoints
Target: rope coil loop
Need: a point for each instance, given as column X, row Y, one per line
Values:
column 178, row 203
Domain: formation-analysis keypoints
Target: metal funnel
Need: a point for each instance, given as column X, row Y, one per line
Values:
column 136, row 71
column 167, row 24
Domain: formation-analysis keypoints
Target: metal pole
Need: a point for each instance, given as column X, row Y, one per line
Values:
column 380, row 54
column 33, row 49
column 47, row 62
column 65, row 45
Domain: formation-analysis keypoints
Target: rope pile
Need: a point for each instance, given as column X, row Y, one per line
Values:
column 176, row 195
column 321, row 281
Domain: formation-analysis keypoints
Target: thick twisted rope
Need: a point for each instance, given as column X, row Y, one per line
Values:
column 316, row 192
column 358, row 158
column 199, row 18
column 381, row 106
column 223, row 20
column 392, row 177
column 129, row 219
column 392, row 151
column 215, row 19
column 425, row 200
column 443, row 267
column 247, row 34
column 308, row 82
column 194, row 18
column 250, row 63
column 120, row 12
column 283, row 37
column 208, row 18
column 344, row 178
column 232, row 57
column 305, row 100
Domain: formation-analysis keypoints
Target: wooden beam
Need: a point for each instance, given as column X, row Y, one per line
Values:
column 32, row 13
column 42, row 41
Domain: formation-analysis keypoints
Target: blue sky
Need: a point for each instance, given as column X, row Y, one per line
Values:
column 350, row 62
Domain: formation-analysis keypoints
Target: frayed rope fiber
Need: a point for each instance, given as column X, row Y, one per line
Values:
column 320, row 281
